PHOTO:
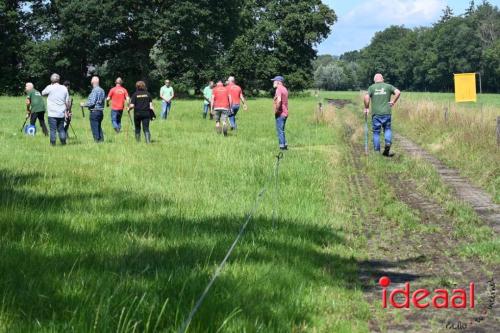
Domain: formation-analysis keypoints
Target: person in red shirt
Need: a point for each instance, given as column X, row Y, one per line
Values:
column 280, row 110
column 118, row 96
column 237, row 98
column 221, row 104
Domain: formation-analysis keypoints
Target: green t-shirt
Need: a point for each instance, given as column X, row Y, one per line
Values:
column 36, row 100
column 207, row 94
column 381, row 94
column 167, row 92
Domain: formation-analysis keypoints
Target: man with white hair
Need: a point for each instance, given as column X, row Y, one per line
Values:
column 237, row 98
column 95, row 103
column 35, row 107
column 380, row 95
column 57, row 108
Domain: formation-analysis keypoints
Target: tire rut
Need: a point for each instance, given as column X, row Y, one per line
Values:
column 480, row 201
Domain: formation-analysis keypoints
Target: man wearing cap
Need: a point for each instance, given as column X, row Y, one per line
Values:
column 221, row 104
column 57, row 107
column 95, row 103
column 166, row 94
column 380, row 95
column 118, row 95
column 280, row 110
column 237, row 98
column 207, row 95
column 35, row 107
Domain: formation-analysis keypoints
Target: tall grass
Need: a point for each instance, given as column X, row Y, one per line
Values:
column 460, row 135
column 123, row 237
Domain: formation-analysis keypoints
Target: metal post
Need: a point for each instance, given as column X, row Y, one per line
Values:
column 498, row 131
column 480, row 83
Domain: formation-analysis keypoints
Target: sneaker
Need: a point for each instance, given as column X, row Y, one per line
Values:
column 284, row 148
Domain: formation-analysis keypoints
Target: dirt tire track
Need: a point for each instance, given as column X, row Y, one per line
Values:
column 413, row 257
column 480, row 201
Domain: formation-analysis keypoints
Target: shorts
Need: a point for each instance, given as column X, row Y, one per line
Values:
column 221, row 114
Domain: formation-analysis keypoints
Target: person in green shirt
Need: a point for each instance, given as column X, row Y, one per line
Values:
column 207, row 95
column 167, row 95
column 35, row 107
column 380, row 95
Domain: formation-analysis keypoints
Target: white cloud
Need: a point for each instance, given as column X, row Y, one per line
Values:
column 375, row 13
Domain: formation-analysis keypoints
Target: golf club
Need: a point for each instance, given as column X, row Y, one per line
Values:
column 25, row 120
column 73, row 130
column 366, row 133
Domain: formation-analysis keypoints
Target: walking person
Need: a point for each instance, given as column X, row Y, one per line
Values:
column 35, row 107
column 57, row 106
column 118, row 95
column 207, row 95
column 380, row 95
column 95, row 104
column 167, row 95
column 69, row 112
column 281, row 110
column 237, row 97
column 220, row 106
column 142, row 103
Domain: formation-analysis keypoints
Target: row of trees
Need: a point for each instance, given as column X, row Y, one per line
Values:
column 423, row 59
column 187, row 41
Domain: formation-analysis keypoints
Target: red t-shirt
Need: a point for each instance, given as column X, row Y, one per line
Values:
column 221, row 97
column 282, row 92
column 235, row 91
column 118, row 96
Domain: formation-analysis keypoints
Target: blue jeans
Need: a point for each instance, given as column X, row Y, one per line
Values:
column 206, row 109
column 280, row 130
column 57, row 125
column 232, row 118
column 95, row 125
column 165, row 109
column 380, row 122
column 116, row 119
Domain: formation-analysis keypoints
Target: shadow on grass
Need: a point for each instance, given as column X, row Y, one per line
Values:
column 67, row 276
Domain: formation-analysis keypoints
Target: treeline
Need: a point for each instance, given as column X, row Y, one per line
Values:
column 422, row 59
column 187, row 41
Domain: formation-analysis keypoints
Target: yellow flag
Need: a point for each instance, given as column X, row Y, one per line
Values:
column 465, row 87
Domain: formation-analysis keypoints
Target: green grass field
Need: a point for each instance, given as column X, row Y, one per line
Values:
column 124, row 237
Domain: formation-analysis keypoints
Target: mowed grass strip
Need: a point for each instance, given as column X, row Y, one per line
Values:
column 123, row 236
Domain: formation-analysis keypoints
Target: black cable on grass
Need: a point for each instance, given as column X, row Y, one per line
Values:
column 217, row 272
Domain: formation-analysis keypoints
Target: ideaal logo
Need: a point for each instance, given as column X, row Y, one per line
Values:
column 440, row 298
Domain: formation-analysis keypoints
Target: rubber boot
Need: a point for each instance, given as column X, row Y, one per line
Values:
column 387, row 152
column 138, row 137
column 148, row 137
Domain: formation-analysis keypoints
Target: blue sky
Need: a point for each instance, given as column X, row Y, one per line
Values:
column 358, row 20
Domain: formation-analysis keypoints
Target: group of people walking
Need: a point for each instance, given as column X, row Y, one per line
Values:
column 221, row 101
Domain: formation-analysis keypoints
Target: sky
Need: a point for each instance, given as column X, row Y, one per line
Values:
column 359, row 20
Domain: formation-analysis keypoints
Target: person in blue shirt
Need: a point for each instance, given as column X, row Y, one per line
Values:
column 95, row 104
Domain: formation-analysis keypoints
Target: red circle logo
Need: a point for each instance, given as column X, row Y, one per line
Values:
column 384, row 281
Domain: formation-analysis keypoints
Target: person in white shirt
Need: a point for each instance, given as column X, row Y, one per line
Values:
column 58, row 104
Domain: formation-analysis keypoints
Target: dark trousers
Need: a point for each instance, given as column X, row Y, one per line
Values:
column 95, row 125
column 57, row 125
column 41, row 119
column 142, row 118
